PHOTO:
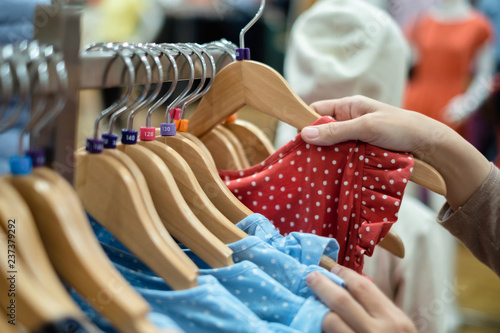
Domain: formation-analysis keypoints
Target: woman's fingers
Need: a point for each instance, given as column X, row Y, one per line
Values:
column 364, row 291
column 360, row 306
column 340, row 301
column 332, row 323
column 346, row 108
column 333, row 133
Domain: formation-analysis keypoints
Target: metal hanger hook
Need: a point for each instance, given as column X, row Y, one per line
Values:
column 251, row 23
column 138, row 102
column 20, row 75
column 40, row 86
column 190, row 63
column 56, row 60
column 129, row 69
column 213, row 70
column 197, row 50
column 175, row 78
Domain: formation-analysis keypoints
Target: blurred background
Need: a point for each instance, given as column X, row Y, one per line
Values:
column 447, row 54
column 448, row 40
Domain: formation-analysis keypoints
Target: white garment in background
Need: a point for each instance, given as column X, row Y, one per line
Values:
column 339, row 48
column 421, row 283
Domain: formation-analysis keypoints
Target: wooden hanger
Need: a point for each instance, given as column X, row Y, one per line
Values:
column 6, row 327
column 78, row 257
column 173, row 210
column 222, row 150
column 192, row 192
column 207, row 177
column 31, row 266
column 255, row 84
column 236, row 143
column 35, row 307
column 196, row 141
column 110, row 194
column 256, row 144
column 146, row 199
column 30, row 246
column 259, row 86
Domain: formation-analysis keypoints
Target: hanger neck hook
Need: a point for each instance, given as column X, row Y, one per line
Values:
column 200, row 93
column 40, row 89
column 165, row 50
column 21, row 79
column 198, row 51
column 244, row 53
column 190, row 63
column 95, row 145
column 137, row 103
column 57, row 62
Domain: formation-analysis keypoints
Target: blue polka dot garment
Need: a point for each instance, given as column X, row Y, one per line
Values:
column 160, row 320
column 280, row 266
column 209, row 307
column 246, row 281
column 263, row 295
column 304, row 247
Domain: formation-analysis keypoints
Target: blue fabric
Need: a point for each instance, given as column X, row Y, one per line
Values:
column 209, row 307
column 306, row 248
column 280, row 266
column 263, row 295
column 104, row 325
column 16, row 20
column 491, row 8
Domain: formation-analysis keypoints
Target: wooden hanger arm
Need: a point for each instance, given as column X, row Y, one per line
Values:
column 33, row 303
column 222, row 150
column 233, row 139
column 145, row 196
column 109, row 193
column 32, row 250
column 5, row 326
column 249, row 83
column 197, row 142
column 194, row 195
column 255, row 143
column 174, row 211
column 426, row 176
column 76, row 254
column 208, row 178
column 258, row 85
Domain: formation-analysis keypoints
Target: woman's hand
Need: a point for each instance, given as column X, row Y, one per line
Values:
column 361, row 118
column 463, row 168
column 360, row 307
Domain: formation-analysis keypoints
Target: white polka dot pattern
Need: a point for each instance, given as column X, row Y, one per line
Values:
column 335, row 192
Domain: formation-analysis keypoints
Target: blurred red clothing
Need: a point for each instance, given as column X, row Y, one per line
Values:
column 446, row 51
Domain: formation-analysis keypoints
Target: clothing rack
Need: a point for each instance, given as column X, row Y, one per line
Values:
column 58, row 24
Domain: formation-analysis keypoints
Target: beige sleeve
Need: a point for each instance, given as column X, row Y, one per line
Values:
column 477, row 223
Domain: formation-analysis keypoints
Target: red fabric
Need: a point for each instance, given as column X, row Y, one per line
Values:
column 350, row 191
column 446, row 53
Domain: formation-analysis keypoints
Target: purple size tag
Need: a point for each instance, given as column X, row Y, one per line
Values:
column 129, row 137
column 243, row 54
column 167, row 129
column 37, row 156
column 110, row 140
column 94, row 146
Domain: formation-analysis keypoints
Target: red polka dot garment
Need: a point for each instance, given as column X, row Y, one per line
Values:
column 350, row 191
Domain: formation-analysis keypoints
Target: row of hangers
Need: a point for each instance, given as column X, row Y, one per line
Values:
column 143, row 191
